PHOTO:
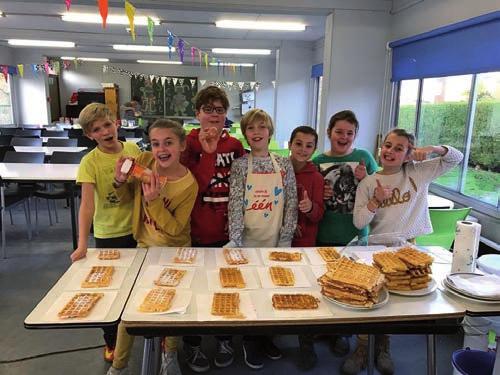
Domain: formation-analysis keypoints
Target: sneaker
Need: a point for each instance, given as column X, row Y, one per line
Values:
column 117, row 371
column 383, row 360
column 195, row 359
column 253, row 355
column 270, row 350
column 109, row 354
column 169, row 364
column 225, row 353
column 339, row 345
column 307, row 355
column 356, row 362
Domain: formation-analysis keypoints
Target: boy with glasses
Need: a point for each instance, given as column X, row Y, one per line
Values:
column 209, row 154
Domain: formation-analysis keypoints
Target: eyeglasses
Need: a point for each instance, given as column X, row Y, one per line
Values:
column 209, row 109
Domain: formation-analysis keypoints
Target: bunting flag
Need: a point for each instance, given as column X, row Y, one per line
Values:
column 68, row 4
column 192, row 55
column 5, row 72
column 199, row 55
column 151, row 28
column 57, row 67
column 274, row 83
column 230, row 84
column 252, row 84
column 180, row 50
column 47, row 67
column 170, row 40
column 206, row 60
column 20, row 69
column 233, row 67
column 130, row 11
column 241, row 84
column 202, row 82
column 163, row 80
column 175, row 81
column 181, row 81
column 103, row 10
column 193, row 81
column 151, row 77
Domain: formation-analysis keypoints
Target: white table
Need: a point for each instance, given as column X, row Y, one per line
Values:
column 45, row 139
column 26, row 172
column 436, row 202
column 48, row 150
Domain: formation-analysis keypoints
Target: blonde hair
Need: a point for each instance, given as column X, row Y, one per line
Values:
column 176, row 128
column 255, row 115
column 92, row 113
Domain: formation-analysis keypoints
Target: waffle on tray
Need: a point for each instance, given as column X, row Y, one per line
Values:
column 231, row 277
column 329, row 254
column 352, row 283
column 226, row 305
column 295, row 302
column 80, row 305
column 98, row 277
column 157, row 300
column 170, row 277
column 404, row 269
column 282, row 276
column 108, row 254
column 235, row 257
column 185, row 255
column 283, row 256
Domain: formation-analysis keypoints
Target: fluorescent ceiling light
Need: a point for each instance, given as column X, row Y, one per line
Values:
column 85, row 58
column 40, row 43
column 159, row 62
column 111, row 19
column 133, row 47
column 230, row 64
column 261, row 25
column 242, row 51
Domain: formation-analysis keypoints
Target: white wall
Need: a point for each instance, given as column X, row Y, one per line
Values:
column 265, row 73
column 6, row 54
column 292, row 87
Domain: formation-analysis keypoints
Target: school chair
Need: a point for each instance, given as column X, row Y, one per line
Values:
column 75, row 133
column 21, row 141
column 5, row 140
column 55, row 133
column 62, row 142
column 28, row 132
column 443, row 225
column 8, row 131
column 86, row 142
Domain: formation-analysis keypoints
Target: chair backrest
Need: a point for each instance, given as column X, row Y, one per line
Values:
column 4, row 149
column 24, row 157
column 54, row 133
column 22, row 141
column 28, row 132
column 5, row 140
column 75, row 133
column 8, row 131
column 62, row 142
column 63, row 157
column 86, row 142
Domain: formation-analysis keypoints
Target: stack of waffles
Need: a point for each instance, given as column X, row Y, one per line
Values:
column 282, row 276
column 108, row 254
column 170, row 277
column 352, row 283
column 185, row 255
column 231, row 278
column 157, row 300
column 283, row 256
column 295, row 302
column 80, row 305
column 235, row 256
column 98, row 277
column 227, row 305
column 404, row 269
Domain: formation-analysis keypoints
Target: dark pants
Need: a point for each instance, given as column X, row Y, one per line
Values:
column 121, row 243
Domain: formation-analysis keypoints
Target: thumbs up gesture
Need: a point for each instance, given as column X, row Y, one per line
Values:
column 382, row 192
column 305, row 205
column 360, row 170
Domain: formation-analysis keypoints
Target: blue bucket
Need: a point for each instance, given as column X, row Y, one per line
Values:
column 473, row 362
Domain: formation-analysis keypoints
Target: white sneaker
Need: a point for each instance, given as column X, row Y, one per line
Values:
column 117, row 371
column 169, row 364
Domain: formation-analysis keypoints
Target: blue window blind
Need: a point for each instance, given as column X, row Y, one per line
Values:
column 467, row 47
column 317, row 70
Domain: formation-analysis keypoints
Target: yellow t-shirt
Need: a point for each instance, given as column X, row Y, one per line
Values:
column 111, row 217
column 164, row 221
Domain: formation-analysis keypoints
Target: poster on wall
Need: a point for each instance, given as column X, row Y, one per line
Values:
column 151, row 94
column 179, row 96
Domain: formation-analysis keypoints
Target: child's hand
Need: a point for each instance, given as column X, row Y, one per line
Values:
column 382, row 192
column 328, row 191
column 119, row 176
column 151, row 190
column 79, row 253
column 305, row 205
column 209, row 138
column 360, row 170
column 421, row 153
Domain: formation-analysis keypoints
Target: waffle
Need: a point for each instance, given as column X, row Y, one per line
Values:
column 295, row 302
column 170, row 277
column 80, row 305
column 185, row 255
column 226, row 305
column 98, row 277
column 282, row 276
column 389, row 262
column 329, row 254
column 414, row 258
column 283, row 256
column 231, row 278
column 235, row 256
column 108, row 254
column 157, row 300
column 356, row 274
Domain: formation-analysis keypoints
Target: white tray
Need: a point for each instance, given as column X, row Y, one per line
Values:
column 168, row 254
column 180, row 302
column 126, row 258
column 248, row 275
column 251, row 254
column 321, row 312
column 204, row 306
column 153, row 272
column 268, row 262
column 300, row 278
column 81, row 274
column 318, row 271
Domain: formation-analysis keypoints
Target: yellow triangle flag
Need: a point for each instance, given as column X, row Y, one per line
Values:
column 20, row 69
column 130, row 11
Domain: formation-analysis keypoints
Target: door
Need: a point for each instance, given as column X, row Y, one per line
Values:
column 54, row 98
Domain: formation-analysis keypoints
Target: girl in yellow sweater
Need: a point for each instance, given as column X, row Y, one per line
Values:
column 162, row 207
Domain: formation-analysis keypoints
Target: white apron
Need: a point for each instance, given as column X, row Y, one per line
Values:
column 264, row 206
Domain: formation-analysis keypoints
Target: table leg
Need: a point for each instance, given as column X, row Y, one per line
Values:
column 147, row 356
column 371, row 354
column 2, row 209
column 73, row 216
column 431, row 354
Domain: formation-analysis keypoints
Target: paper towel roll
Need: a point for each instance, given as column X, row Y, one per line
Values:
column 467, row 236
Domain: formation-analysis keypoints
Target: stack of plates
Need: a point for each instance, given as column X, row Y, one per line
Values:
column 450, row 286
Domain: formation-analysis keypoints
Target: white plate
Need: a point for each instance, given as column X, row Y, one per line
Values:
column 76, row 281
column 250, row 253
column 451, row 291
column 383, row 299
column 168, row 254
column 180, row 302
column 248, row 275
column 267, row 283
column 153, row 272
column 268, row 262
column 468, row 275
column 431, row 287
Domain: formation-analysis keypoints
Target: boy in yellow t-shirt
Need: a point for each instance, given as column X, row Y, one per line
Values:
column 112, row 218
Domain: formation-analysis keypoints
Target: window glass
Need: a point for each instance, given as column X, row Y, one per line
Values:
column 5, row 102
column 408, row 96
